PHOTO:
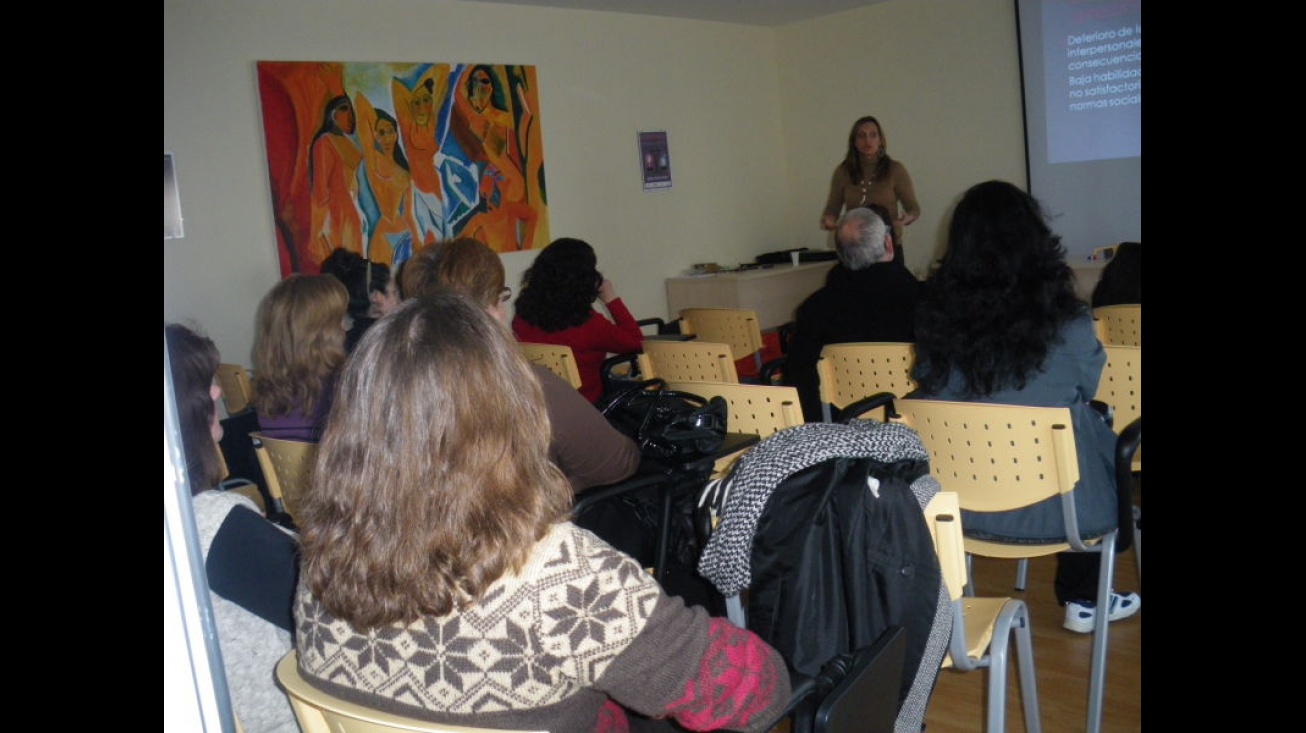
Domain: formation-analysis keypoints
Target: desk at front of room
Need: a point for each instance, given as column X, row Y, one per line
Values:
column 774, row 291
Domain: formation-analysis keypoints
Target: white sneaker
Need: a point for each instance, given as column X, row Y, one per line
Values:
column 1080, row 615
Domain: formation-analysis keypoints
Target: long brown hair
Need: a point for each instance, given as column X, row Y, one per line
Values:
column 433, row 476
column 466, row 265
column 299, row 343
column 193, row 359
column 852, row 160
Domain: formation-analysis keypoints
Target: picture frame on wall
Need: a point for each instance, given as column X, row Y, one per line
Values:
column 382, row 159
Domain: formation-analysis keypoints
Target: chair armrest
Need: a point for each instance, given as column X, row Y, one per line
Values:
column 609, row 379
column 806, row 692
column 662, row 326
column 663, row 483
column 1105, row 411
column 786, row 333
column 856, row 690
column 859, row 407
column 590, row 497
column 772, row 372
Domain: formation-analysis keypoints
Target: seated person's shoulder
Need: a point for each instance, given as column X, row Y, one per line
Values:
column 576, row 558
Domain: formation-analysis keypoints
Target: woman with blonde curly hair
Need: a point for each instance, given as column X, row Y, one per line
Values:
column 299, row 345
column 441, row 578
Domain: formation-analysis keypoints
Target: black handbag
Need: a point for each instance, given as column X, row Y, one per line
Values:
column 669, row 424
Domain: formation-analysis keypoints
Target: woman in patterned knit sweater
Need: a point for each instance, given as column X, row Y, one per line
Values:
column 442, row 580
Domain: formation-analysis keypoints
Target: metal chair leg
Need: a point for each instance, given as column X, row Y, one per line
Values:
column 1097, row 672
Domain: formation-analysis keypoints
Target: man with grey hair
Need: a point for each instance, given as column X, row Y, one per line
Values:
column 862, row 239
column 866, row 297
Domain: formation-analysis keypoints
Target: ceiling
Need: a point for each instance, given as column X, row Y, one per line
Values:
column 769, row 13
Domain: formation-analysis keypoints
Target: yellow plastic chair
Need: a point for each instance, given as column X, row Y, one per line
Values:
column 1119, row 324
column 1007, row 457
column 238, row 484
column 736, row 327
column 556, row 358
column 318, row 712
column 1121, row 388
column 982, row 627
column 287, row 468
column 237, row 393
column 853, row 371
column 754, row 408
column 687, row 361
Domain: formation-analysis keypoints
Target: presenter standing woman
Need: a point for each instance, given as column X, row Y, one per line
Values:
column 868, row 175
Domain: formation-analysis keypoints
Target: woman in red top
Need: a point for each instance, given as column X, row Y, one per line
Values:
column 556, row 307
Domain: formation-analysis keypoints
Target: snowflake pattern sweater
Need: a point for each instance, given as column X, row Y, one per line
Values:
column 578, row 637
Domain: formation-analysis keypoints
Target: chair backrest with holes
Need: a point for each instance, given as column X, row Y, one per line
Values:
column 287, row 467
column 687, row 361
column 996, row 457
column 754, row 408
column 1119, row 324
column 736, row 327
column 237, row 394
column 1121, row 387
column 556, row 358
column 849, row 372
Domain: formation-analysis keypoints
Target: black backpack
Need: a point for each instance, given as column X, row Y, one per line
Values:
column 824, row 525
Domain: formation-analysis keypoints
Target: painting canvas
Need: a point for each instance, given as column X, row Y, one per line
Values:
column 383, row 158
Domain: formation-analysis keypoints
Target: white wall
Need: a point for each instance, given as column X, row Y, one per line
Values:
column 942, row 77
column 756, row 117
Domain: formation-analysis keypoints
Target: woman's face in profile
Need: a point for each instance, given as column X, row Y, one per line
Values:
column 383, row 303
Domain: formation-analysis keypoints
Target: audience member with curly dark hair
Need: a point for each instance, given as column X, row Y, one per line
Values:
column 1122, row 278
column 372, row 292
column 999, row 322
column 556, row 307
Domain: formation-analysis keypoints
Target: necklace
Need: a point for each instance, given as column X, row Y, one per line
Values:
column 866, row 182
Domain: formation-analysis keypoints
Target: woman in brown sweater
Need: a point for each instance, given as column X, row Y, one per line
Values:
column 867, row 175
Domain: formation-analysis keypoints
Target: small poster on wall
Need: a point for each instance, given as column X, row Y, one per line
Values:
column 655, row 161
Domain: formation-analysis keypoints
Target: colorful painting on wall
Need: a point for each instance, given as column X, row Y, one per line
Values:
column 383, row 158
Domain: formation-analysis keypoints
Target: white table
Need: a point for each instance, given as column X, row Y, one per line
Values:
column 774, row 292
column 1087, row 273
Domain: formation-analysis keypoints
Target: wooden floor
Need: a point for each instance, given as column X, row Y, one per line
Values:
column 1061, row 661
